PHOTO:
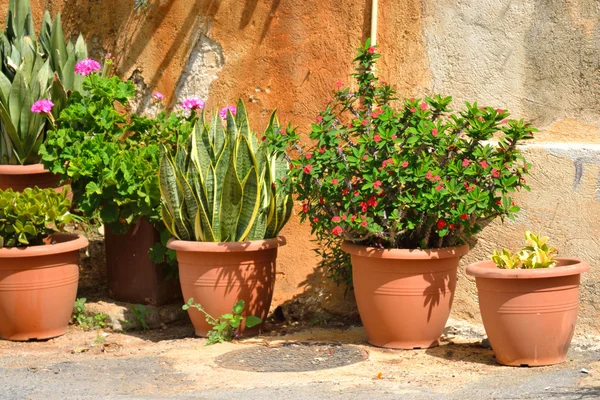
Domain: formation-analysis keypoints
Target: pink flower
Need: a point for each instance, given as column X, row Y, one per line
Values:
column 223, row 112
column 428, row 175
column 42, row 106
column 412, row 110
column 495, row 173
column 315, row 219
column 356, row 193
column 423, row 106
column 344, row 217
column 364, row 122
column 466, row 162
column 335, row 219
column 371, row 50
column 439, row 187
column 394, row 137
column 387, row 162
column 339, row 84
column 345, row 191
column 377, row 184
column 157, row 97
column 321, row 150
column 376, row 113
column 372, row 202
column 334, row 181
column 304, row 208
column 377, row 138
column 87, row 66
column 363, row 206
column 505, row 121
column 108, row 55
column 441, row 224
column 192, row 103
column 435, row 178
column 464, row 216
column 308, row 156
column 337, row 230
column 499, row 111
column 434, row 132
column 307, row 169
column 405, row 164
column 319, row 118
column 364, row 223
column 483, row 164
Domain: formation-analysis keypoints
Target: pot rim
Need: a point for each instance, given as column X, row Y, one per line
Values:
column 489, row 270
column 410, row 254
column 226, row 247
column 29, row 169
column 73, row 242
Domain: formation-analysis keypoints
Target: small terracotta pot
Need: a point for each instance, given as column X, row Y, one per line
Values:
column 131, row 275
column 217, row 275
column 529, row 315
column 404, row 296
column 19, row 177
column 38, row 287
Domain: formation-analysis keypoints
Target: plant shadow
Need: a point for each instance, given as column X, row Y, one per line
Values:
column 473, row 352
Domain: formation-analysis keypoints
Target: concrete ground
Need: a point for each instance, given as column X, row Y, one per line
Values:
column 170, row 363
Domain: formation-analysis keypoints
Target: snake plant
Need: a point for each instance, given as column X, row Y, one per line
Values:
column 33, row 69
column 223, row 185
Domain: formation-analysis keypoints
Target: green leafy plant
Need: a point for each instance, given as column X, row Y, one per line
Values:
column 140, row 312
column 411, row 173
column 225, row 327
column 27, row 218
column 82, row 318
column 32, row 69
column 535, row 254
column 222, row 185
column 111, row 156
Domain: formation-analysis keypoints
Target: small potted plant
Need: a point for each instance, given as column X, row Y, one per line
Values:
column 400, row 187
column 111, row 157
column 39, row 268
column 225, row 199
column 529, row 301
column 38, row 83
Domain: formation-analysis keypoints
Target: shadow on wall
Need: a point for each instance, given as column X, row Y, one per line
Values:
column 248, row 13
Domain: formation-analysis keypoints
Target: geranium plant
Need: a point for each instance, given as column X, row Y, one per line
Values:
column 109, row 155
column 412, row 173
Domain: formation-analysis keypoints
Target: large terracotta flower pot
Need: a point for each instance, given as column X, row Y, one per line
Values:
column 131, row 275
column 19, row 177
column 404, row 296
column 217, row 275
column 529, row 315
column 38, row 287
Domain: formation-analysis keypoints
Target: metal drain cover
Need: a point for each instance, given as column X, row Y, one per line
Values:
column 292, row 357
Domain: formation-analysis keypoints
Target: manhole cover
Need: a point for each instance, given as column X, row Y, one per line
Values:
column 292, row 357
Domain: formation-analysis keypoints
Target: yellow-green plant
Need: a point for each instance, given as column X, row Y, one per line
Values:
column 223, row 185
column 535, row 254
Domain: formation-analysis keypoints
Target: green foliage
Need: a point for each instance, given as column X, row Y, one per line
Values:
column 30, row 70
column 111, row 157
column 535, row 254
column 222, row 185
column 82, row 318
column 225, row 327
column 140, row 313
column 27, row 218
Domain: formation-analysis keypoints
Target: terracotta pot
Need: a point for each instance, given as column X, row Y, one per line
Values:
column 38, row 287
column 19, row 177
column 217, row 275
column 529, row 315
column 131, row 275
column 404, row 296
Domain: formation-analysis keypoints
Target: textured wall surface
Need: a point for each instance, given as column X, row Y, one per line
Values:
column 539, row 59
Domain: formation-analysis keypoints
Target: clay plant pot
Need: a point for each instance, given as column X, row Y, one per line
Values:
column 38, row 287
column 529, row 315
column 217, row 275
column 404, row 296
column 131, row 275
column 19, row 177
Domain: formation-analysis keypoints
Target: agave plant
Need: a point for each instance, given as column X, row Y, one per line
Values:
column 224, row 186
column 33, row 69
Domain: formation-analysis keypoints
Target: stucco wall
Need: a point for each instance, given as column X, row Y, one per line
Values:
column 539, row 59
